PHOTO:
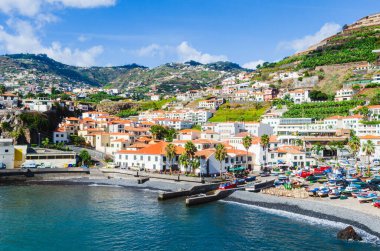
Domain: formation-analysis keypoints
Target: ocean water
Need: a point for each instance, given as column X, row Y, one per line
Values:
column 115, row 218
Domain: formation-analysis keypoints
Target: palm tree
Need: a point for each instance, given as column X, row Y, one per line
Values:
column 368, row 148
column 264, row 141
column 184, row 161
column 317, row 148
column 170, row 152
column 190, row 150
column 354, row 145
column 195, row 163
column 299, row 142
column 247, row 142
column 220, row 155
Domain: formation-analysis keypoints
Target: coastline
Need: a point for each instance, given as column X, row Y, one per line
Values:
column 319, row 209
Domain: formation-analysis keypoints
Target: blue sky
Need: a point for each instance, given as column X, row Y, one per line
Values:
column 153, row 32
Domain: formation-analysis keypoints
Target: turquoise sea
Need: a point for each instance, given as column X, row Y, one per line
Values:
column 44, row 217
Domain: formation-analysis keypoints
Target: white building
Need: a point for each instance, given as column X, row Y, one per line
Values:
column 7, row 153
column 344, row 94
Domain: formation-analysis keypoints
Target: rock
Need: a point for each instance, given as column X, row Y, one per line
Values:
column 349, row 233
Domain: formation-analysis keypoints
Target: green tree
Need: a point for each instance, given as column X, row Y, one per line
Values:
column 158, row 132
column 368, row 148
column 2, row 89
column 45, row 142
column 195, row 163
column 170, row 153
column 190, row 150
column 264, row 142
column 299, row 142
column 317, row 148
column 220, row 155
column 85, row 157
column 247, row 143
column 184, row 161
column 354, row 145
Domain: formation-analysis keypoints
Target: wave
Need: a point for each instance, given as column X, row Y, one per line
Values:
column 104, row 185
column 367, row 237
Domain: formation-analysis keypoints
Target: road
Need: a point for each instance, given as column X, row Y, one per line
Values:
column 95, row 155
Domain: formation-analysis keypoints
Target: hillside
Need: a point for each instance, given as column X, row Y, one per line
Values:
column 165, row 78
column 354, row 44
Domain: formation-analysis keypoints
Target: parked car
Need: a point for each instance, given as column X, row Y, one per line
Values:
column 3, row 166
column 28, row 165
column 112, row 165
column 136, row 168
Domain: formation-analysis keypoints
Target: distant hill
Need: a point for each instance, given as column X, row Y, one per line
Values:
column 354, row 43
column 165, row 78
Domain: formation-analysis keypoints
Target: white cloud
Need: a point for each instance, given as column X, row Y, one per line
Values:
column 25, row 40
column 84, row 3
column 32, row 8
column 253, row 64
column 23, row 7
column 83, row 38
column 152, row 50
column 182, row 52
column 300, row 44
column 185, row 53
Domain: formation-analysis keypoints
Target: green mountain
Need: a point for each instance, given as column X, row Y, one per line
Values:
column 165, row 78
column 354, row 43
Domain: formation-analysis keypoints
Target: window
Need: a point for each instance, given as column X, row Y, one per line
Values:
column 141, row 157
column 156, row 158
column 6, row 150
column 295, row 157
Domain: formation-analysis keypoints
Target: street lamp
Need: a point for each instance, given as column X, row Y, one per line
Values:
column 39, row 139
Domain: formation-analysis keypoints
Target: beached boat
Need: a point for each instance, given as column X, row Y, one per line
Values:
column 208, row 197
column 366, row 197
column 250, row 179
column 323, row 192
column 227, row 185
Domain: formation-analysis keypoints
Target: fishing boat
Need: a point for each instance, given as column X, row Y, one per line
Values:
column 323, row 192
column 250, row 179
column 334, row 194
column 282, row 179
column 227, row 185
column 313, row 192
column 376, row 203
column 366, row 197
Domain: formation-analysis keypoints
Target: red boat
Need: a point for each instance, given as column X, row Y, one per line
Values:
column 376, row 204
column 320, row 170
column 227, row 185
column 305, row 174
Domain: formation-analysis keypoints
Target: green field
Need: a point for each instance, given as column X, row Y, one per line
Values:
column 238, row 112
column 321, row 110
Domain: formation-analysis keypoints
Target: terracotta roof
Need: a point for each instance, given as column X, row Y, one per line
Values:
column 72, row 118
column 369, row 137
column 205, row 153
column 155, row 149
column 289, row 149
column 185, row 131
column 334, row 117
column 374, row 107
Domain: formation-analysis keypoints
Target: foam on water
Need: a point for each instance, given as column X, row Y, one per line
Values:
column 104, row 185
column 367, row 237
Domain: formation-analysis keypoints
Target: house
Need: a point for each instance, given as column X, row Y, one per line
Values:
column 7, row 153
column 344, row 94
column 375, row 140
column 9, row 100
column 60, row 135
column 209, row 165
column 299, row 96
column 155, row 97
column 151, row 157
column 211, row 103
